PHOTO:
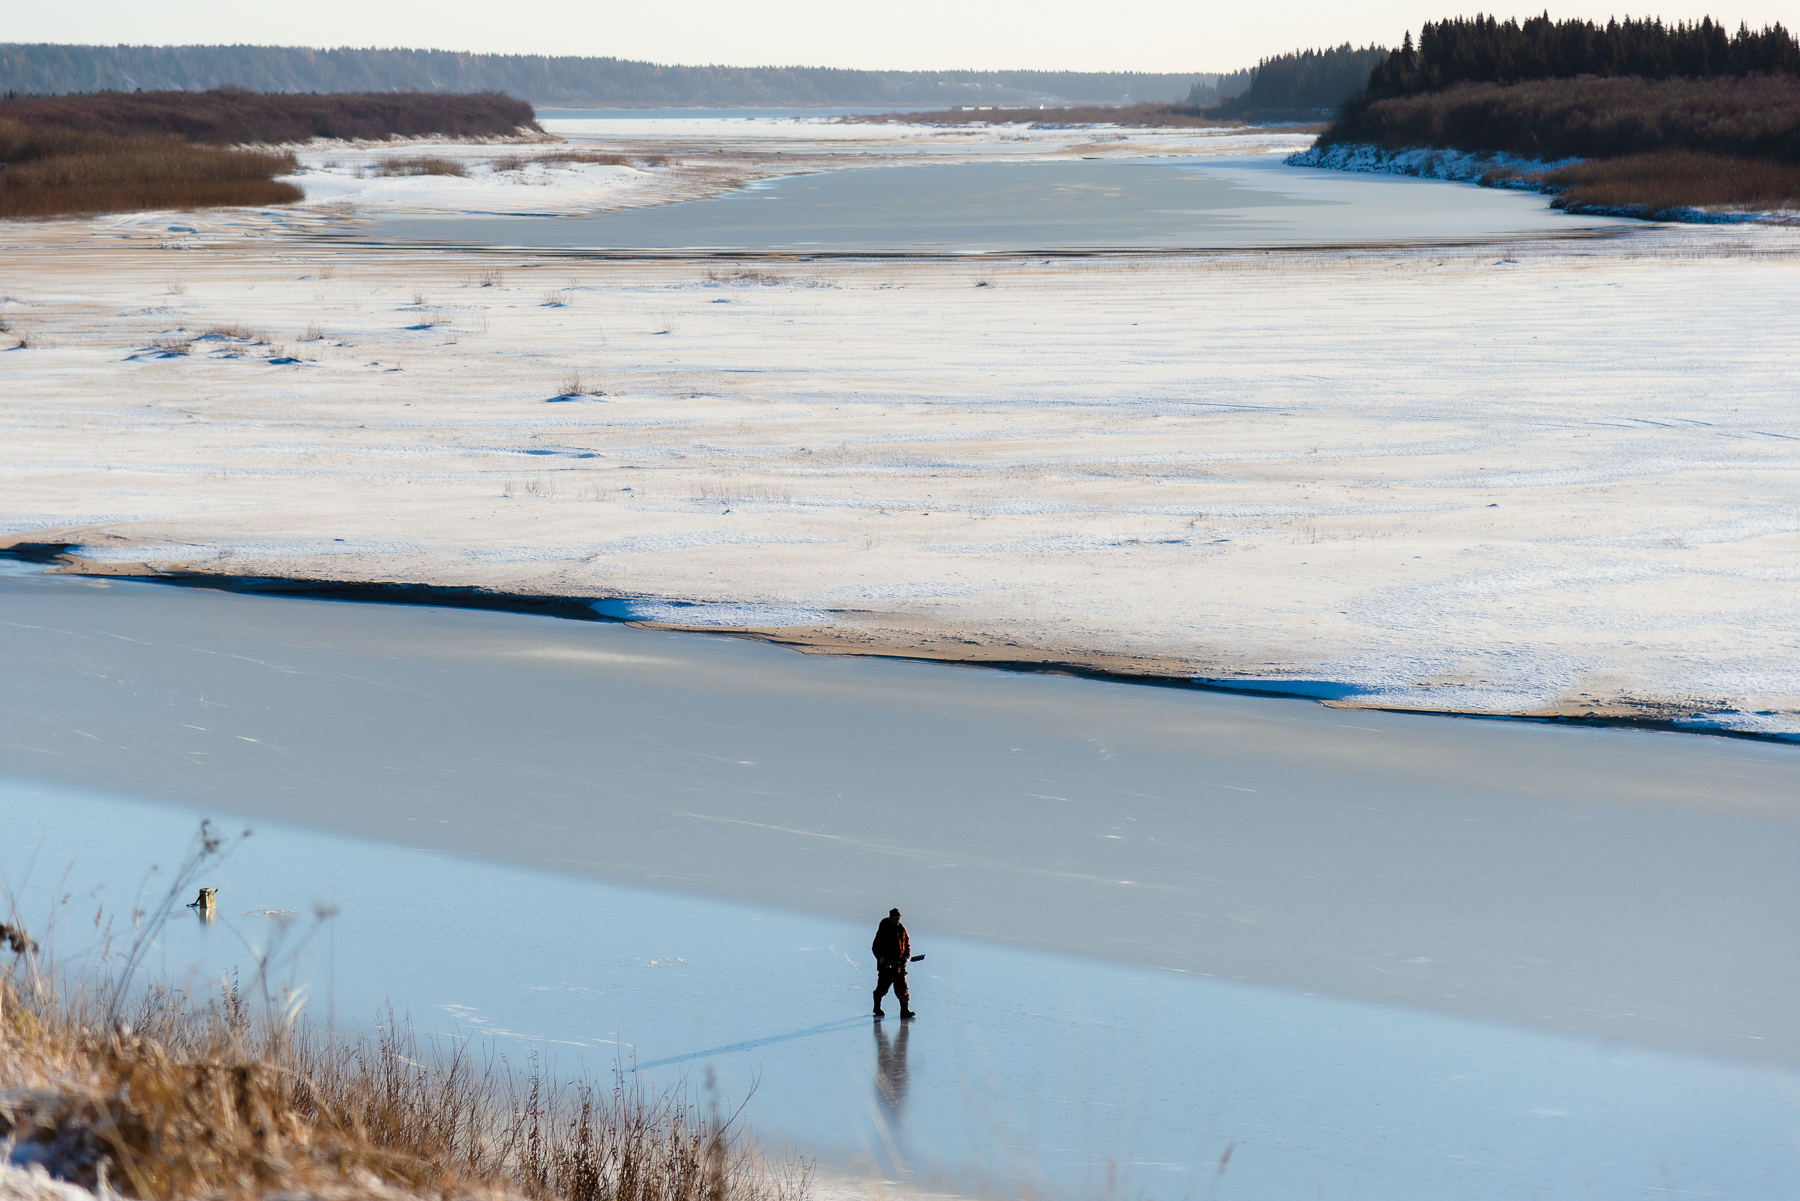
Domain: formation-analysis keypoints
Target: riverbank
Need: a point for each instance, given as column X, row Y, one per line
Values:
column 1476, row 478
column 1501, row 170
column 740, row 621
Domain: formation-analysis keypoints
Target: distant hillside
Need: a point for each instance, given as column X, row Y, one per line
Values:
column 45, row 69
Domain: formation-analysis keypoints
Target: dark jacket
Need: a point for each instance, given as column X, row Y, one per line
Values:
column 891, row 944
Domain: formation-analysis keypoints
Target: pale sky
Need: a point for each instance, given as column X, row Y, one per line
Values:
column 1149, row 35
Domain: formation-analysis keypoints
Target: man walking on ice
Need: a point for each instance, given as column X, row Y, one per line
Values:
column 892, row 949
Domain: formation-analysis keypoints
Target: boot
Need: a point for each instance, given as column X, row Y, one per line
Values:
column 906, row 1013
column 878, row 1012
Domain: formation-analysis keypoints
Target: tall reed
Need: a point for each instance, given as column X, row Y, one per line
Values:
column 236, row 1095
column 55, row 172
column 1676, row 179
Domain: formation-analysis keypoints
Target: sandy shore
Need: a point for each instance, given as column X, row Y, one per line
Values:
column 1552, row 478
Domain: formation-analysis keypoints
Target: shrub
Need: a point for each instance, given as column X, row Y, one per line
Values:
column 237, row 1097
column 603, row 158
column 424, row 164
column 227, row 116
column 1756, row 116
column 54, row 172
column 1659, row 183
column 234, row 1100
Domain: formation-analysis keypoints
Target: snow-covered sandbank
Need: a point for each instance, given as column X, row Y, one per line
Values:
column 667, row 160
column 1503, row 171
column 1543, row 478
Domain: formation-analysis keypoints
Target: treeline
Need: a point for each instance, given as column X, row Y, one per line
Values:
column 233, row 116
column 1757, row 116
column 1667, row 117
column 1305, row 81
column 1211, row 90
column 44, row 69
column 1481, row 49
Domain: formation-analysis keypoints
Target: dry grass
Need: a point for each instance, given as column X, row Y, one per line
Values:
column 58, row 172
column 741, row 493
column 1658, row 183
column 602, row 158
column 176, row 1100
column 164, row 1097
column 765, row 279
column 536, row 486
column 235, row 333
column 554, row 158
column 420, row 164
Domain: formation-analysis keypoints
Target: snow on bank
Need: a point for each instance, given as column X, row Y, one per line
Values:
column 1494, row 170
column 672, row 159
column 1446, row 478
column 1502, row 171
column 30, row 1182
column 333, row 178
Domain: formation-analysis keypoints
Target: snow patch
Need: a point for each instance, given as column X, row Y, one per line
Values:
column 1490, row 170
column 30, row 1182
column 722, row 615
column 247, row 550
column 25, row 523
column 646, row 543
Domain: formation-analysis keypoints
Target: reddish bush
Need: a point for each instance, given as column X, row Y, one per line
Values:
column 57, row 172
column 1652, row 184
column 230, row 116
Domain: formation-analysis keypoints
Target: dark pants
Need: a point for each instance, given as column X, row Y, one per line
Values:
column 892, row 975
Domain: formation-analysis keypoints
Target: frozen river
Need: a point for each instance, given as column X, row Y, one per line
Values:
column 1369, row 954
column 1077, row 204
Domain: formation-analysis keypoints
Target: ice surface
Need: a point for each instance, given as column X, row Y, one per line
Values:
column 1027, row 1073
column 1621, row 885
column 971, row 208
